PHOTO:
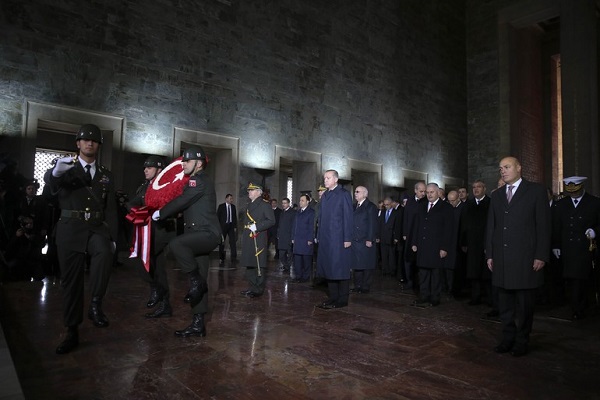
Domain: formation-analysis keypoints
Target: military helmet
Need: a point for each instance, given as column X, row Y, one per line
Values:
column 89, row 132
column 194, row 153
column 154, row 161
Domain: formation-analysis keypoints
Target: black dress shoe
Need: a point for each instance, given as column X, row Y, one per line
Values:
column 253, row 294
column 364, row 291
column 503, row 347
column 493, row 313
column 435, row 303
column 518, row 351
column 420, row 302
column 325, row 303
column 355, row 290
column 70, row 343
column 96, row 315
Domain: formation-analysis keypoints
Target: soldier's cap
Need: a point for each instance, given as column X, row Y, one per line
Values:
column 321, row 188
column 32, row 182
column 254, row 186
column 574, row 183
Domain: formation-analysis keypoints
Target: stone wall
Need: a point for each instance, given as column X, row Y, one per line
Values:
column 382, row 81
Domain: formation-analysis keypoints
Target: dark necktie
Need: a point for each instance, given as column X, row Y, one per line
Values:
column 88, row 175
column 387, row 214
column 575, row 202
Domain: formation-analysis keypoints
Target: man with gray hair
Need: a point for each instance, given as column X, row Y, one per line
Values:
column 432, row 240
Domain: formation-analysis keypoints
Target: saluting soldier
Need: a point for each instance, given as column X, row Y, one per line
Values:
column 162, row 232
column 201, row 235
column 576, row 221
column 258, row 219
column 87, row 226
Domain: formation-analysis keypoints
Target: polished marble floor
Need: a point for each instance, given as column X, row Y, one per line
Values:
column 280, row 346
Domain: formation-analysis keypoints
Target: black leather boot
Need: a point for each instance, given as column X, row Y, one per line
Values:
column 198, row 288
column 163, row 310
column 95, row 313
column 197, row 327
column 187, row 298
column 71, row 341
column 156, row 296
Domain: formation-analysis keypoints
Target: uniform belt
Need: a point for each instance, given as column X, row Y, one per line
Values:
column 85, row 215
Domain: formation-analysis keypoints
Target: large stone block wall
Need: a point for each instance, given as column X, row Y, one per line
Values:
column 381, row 81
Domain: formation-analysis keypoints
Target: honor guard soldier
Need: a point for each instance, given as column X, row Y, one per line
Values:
column 87, row 227
column 162, row 232
column 201, row 235
column 575, row 224
column 258, row 219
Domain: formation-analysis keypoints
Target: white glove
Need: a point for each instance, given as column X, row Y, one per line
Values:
column 62, row 165
column 556, row 253
column 156, row 215
column 590, row 233
column 252, row 228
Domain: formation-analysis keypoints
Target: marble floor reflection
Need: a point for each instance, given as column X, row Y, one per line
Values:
column 279, row 346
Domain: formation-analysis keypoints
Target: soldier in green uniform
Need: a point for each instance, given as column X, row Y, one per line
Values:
column 87, row 227
column 258, row 219
column 201, row 235
column 162, row 232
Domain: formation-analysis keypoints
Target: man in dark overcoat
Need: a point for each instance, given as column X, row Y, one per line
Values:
column 472, row 240
column 88, row 227
column 335, row 238
column 364, row 236
column 303, row 240
column 259, row 217
column 411, row 209
column 576, row 221
column 433, row 239
column 201, row 234
column 517, row 247
column 284, row 234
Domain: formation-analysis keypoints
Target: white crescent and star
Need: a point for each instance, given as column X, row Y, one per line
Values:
column 178, row 177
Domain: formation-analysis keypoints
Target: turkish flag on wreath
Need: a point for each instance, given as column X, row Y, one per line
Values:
column 165, row 187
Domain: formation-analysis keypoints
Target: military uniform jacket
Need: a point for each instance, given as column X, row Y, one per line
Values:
column 365, row 228
column 568, row 233
column 264, row 218
column 74, row 196
column 198, row 202
column 516, row 234
column 159, row 227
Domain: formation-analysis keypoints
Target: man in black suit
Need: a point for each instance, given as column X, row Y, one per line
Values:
column 389, row 236
column 410, row 211
column 284, row 234
column 472, row 242
column 88, row 226
column 272, row 232
column 227, row 214
column 433, row 239
column 517, row 247
column 364, row 235
column 576, row 221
